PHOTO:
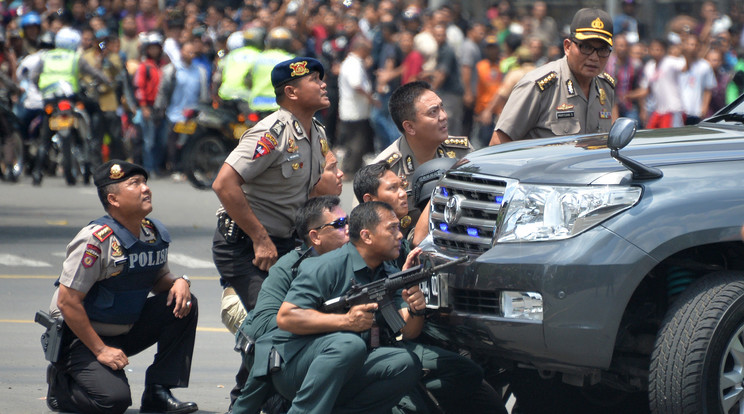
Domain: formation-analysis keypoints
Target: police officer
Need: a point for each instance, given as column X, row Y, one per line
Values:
column 61, row 64
column 455, row 381
column 112, row 265
column 569, row 96
column 326, row 365
column 420, row 116
column 267, row 178
column 323, row 225
column 278, row 49
column 233, row 72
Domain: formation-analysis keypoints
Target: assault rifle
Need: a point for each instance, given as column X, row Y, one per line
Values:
column 382, row 291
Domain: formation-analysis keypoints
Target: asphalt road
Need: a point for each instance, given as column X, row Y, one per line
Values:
column 36, row 223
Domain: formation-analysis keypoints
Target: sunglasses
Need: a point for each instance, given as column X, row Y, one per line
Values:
column 339, row 223
column 587, row 50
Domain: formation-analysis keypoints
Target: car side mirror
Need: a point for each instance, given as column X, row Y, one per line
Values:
column 621, row 133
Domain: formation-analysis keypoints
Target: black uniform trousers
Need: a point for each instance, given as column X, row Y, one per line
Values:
column 84, row 385
column 234, row 262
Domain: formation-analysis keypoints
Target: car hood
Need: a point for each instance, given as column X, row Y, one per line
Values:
column 584, row 159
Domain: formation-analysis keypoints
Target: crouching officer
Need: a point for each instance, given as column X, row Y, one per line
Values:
column 112, row 265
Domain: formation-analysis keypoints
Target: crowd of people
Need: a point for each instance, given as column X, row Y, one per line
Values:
column 174, row 55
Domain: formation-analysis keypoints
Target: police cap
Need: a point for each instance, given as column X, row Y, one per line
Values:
column 589, row 23
column 116, row 171
column 295, row 68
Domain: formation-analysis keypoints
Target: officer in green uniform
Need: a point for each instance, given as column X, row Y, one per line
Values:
column 323, row 224
column 267, row 177
column 278, row 49
column 419, row 115
column 455, row 381
column 233, row 72
column 326, row 364
column 569, row 96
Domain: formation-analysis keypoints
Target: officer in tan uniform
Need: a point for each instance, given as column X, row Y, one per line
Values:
column 118, row 297
column 569, row 96
column 419, row 115
column 267, row 177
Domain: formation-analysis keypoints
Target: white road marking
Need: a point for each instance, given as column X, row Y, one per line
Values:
column 188, row 261
column 13, row 260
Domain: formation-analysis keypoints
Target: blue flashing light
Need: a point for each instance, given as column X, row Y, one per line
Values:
column 499, row 199
column 472, row 232
column 445, row 192
column 444, row 227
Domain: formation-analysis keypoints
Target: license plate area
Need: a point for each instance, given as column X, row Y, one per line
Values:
column 435, row 291
column 187, row 127
column 58, row 122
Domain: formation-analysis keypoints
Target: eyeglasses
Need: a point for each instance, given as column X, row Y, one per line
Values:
column 339, row 223
column 586, row 49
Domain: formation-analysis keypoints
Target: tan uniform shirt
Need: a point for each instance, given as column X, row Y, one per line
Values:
column 90, row 260
column 403, row 163
column 280, row 164
column 548, row 102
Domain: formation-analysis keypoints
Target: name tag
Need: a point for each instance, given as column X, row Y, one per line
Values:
column 569, row 114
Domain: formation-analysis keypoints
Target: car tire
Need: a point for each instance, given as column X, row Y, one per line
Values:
column 696, row 365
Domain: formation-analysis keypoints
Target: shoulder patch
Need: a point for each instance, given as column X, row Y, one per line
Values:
column 607, row 78
column 92, row 253
column 547, row 81
column 393, row 158
column 277, row 128
column 103, row 233
column 457, row 142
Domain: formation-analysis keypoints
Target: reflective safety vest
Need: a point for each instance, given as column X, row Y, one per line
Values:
column 263, row 98
column 120, row 299
column 59, row 65
column 236, row 66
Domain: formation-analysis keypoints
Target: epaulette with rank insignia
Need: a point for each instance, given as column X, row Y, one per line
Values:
column 102, row 233
column 393, row 158
column 609, row 79
column 457, row 142
column 319, row 124
column 147, row 223
column 547, row 80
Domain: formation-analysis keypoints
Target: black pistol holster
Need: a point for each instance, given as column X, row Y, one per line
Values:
column 51, row 340
column 229, row 228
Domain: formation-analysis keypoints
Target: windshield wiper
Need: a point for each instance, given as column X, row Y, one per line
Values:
column 732, row 116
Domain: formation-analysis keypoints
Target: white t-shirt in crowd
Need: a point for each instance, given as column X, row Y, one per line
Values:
column 352, row 104
column 662, row 81
column 692, row 83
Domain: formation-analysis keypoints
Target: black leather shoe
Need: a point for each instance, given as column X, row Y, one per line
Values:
column 51, row 377
column 158, row 399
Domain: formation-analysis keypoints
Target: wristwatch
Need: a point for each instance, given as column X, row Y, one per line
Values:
column 186, row 278
column 421, row 312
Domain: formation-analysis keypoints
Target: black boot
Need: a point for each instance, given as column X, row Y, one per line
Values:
column 158, row 399
column 51, row 377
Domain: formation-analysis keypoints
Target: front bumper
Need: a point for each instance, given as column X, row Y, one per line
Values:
column 585, row 283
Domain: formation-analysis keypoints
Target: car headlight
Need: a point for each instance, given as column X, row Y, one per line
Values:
column 542, row 212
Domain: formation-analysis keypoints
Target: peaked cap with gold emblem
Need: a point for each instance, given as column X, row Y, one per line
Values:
column 116, row 171
column 590, row 23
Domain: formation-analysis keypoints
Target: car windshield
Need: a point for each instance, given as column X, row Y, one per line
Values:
column 733, row 113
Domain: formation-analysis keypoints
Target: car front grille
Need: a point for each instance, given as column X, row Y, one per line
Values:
column 479, row 202
column 476, row 301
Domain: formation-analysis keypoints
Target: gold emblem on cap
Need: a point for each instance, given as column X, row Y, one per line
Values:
column 597, row 23
column 299, row 68
column 115, row 172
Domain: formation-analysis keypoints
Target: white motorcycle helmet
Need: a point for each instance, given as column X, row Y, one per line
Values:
column 235, row 41
column 67, row 38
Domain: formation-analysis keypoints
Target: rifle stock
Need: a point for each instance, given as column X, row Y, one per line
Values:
column 381, row 292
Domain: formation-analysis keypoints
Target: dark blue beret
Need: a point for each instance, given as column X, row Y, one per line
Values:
column 295, row 68
column 116, row 171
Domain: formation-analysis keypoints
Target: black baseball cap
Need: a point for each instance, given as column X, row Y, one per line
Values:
column 295, row 68
column 116, row 171
column 590, row 23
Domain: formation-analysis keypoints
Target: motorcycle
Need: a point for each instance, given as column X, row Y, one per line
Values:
column 206, row 137
column 68, row 123
column 11, row 146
